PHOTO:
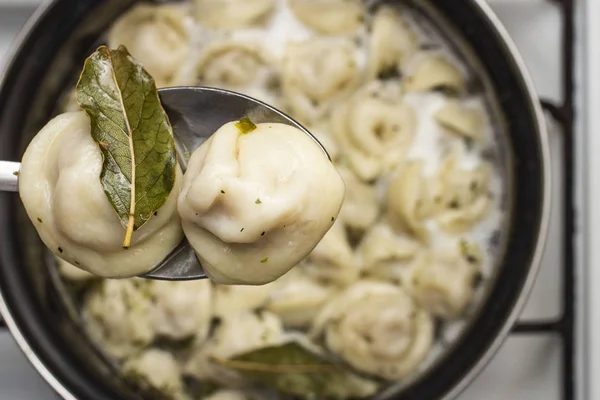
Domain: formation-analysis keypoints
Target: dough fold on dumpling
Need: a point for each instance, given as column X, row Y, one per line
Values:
column 333, row 259
column 360, row 208
column 157, row 36
column 392, row 43
column 254, row 204
column 442, row 282
column 409, row 199
column 386, row 254
column 317, row 73
column 461, row 120
column 377, row 329
column 461, row 195
column 60, row 187
column 297, row 298
column 374, row 129
column 240, row 66
column 232, row 14
column 330, row 16
column 434, row 71
column 235, row 334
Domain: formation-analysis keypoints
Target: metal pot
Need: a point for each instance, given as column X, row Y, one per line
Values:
column 48, row 57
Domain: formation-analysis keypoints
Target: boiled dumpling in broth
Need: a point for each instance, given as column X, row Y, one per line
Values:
column 376, row 328
column 317, row 73
column 256, row 200
column 159, row 369
column 392, row 42
column 385, row 254
column 157, row 36
column 333, row 259
column 443, row 281
column 409, row 199
column 360, row 208
column 461, row 120
column 181, row 309
column 330, row 16
column 232, row 14
column 461, row 195
column 227, row 395
column 431, row 72
column 374, row 128
column 59, row 184
column 228, row 299
column 117, row 315
column 235, row 334
column 297, row 298
column 243, row 67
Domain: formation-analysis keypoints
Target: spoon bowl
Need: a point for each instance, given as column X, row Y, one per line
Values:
column 195, row 114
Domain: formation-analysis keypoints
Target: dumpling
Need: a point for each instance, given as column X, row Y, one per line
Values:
column 226, row 394
column 443, row 282
column 298, row 298
column 431, row 72
column 409, row 199
column 117, row 315
column 236, row 334
column 157, row 36
column 383, row 251
column 374, row 130
column 330, row 17
column 377, row 329
column 392, row 42
column 60, row 187
column 461, row 195
column 232, row 14
column 159, row 369
column 333, row 259
column 316, row 73
column 181, row 309
column 256, row 200
column 361, row 205
column 461, row 120
column 230, row 300
column 239, row 66
column 73, row 273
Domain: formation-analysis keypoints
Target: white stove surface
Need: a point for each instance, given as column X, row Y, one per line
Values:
column 527, row 367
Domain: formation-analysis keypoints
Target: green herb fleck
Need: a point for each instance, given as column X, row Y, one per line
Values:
column 264, row 260
column 60, row 250
column 222, row 191
column 263, row 233
column 16, row 173
column 245, row 125
column 40, row 220
column 242, row 230
column 332, row 219
column 258, row 201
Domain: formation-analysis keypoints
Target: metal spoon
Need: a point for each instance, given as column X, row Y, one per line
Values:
column 195, row 114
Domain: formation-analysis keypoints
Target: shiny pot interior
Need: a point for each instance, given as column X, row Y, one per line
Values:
column 45, row 65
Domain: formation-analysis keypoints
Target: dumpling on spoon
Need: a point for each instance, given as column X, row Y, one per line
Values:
column 256, row 200
column 62, row 194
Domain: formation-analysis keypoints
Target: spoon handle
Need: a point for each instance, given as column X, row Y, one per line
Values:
column 9, row 176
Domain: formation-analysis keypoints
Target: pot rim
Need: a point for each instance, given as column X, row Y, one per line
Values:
column 534, row 267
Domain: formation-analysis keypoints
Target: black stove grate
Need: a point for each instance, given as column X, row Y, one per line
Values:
column 564, row 326
column 563, row 114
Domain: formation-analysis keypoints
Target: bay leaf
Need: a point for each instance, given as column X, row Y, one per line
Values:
column 291, row 368
column 133, row 132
